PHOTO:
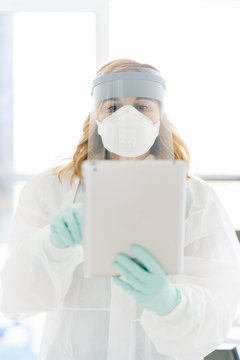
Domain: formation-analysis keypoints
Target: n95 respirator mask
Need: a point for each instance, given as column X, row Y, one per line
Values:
column 127, row 132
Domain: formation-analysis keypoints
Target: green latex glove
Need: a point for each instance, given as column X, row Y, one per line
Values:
column 66, row 227
column 146, row 281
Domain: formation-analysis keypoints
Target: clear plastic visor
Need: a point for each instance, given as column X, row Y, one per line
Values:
column 129, row 127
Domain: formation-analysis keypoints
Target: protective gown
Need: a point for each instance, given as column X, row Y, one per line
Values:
column 93, row 318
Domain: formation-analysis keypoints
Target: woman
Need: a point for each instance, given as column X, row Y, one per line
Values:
column 144, row 314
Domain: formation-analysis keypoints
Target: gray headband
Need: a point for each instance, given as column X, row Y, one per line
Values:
column 128, row 84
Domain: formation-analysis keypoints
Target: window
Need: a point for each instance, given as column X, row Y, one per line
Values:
column 53, row 64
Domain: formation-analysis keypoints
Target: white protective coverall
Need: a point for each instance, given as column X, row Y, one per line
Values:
column 90, row 319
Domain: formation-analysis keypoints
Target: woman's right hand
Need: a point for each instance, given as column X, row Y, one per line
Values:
column 66, row 227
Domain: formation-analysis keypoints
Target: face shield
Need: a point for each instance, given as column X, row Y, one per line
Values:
column 128, row 121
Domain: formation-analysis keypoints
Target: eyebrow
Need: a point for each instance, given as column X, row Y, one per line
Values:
column 143, row 98
column 114, row 99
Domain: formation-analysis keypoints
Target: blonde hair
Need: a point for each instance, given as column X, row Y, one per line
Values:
column 74, row 166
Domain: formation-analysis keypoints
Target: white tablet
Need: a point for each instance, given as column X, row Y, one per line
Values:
column 133, row 202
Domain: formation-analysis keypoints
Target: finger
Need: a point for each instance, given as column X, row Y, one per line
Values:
column 68, row 222
column 136, row 261
column 129, row 277
column 72, row 224
column 147, row 259
column 132, row 266
column 58, row 227
column 126, row 286
column 58, row 241
column 78, row 222
column 62, row 231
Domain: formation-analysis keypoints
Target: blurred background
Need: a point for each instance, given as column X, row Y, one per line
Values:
column 49, row 54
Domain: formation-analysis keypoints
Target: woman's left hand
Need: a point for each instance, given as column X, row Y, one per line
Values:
column 146, row 281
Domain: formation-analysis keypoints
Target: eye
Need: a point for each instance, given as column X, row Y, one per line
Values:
column 142, row 107
column 112, row 108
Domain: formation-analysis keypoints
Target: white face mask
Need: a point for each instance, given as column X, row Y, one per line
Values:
column 127, row 132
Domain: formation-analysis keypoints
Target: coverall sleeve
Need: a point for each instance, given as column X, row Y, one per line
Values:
column 209, row 285
column 37, row 275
